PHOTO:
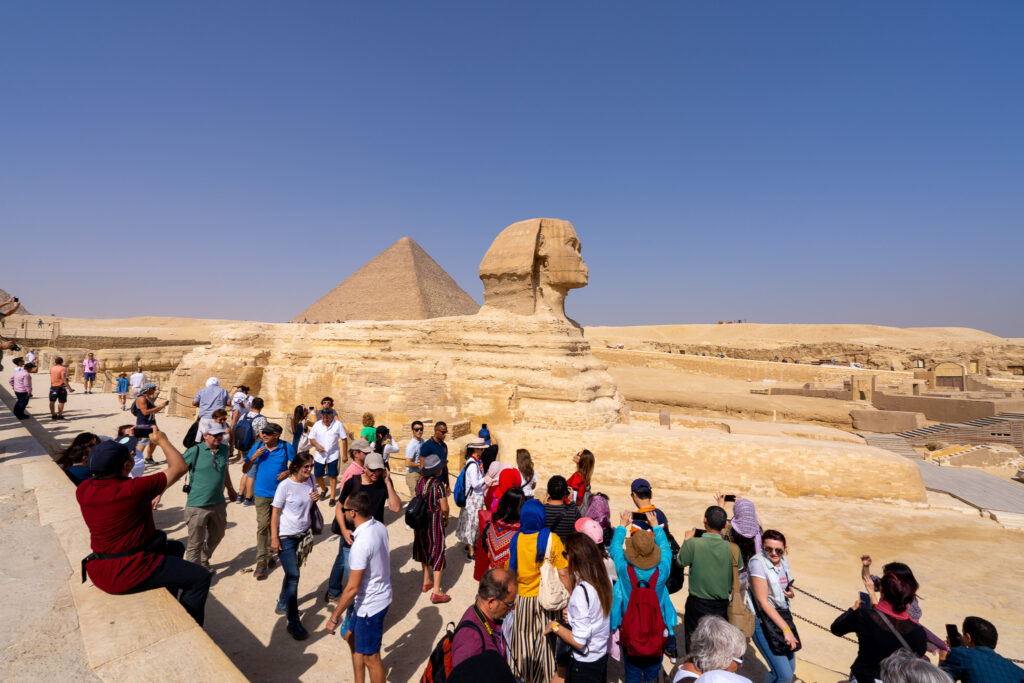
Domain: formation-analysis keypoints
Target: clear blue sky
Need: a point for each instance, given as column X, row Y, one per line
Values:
column 795, row 162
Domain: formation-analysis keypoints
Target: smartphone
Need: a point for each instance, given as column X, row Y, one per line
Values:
column 952, row 635
column 865, row 600
column 731, row 498
column 698, row 533
column 16, row 299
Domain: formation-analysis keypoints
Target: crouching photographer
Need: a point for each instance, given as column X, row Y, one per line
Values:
column 129, row 554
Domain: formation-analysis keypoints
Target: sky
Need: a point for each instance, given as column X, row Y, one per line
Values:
column 802, row 162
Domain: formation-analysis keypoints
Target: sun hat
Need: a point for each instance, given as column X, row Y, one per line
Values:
column 374, row 461
column 478, row 444
column 431, row 465
column 590, row 528
column 641, row 551
column 361, row 445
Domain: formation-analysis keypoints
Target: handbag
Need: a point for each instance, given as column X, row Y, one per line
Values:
column 316, row 520
column 552, row 595
column 774, row 635
column 739, row 615
column 304, row 444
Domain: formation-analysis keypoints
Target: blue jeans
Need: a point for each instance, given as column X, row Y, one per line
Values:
column 21, row 403
column 641, row 670
column 339, row 572
column 289, row 559
column 782, row 667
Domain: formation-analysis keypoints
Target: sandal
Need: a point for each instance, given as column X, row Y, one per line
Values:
column 435, row 598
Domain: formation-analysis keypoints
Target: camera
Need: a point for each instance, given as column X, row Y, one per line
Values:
column 15, row 348
column 16, row 299
column 187, row 488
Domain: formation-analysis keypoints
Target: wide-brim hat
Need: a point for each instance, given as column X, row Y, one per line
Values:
column 431, row 465
column 641, row 551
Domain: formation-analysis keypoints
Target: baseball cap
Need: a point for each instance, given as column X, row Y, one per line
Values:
column 590, row 528
column 215, row 429
column 108, row 457
column 360, row 445
column 272, row 428
column 639, row 485
column 374, row 461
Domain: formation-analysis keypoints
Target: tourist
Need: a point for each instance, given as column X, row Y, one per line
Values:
column 269, row 460
column 357, row 453
column 21, row 383
column 436, row 445
column 375, row 480
column 145, row 408
column 883, row 628
column 368, row 431
column 368, row 588
column 246, row 434
column 600, row 511
column 136, row 380
column 637, row 561
column 588, row 613
column 428, row 542
column 326, row 403
column 329, row 440
column 241, row 403
column 640, row 492
column 508, row 478
column 902, row 666
column 75, row 458
column 210, row 398
column 484, row 434
column 490, row 455
column 716, row 652
column 524, row 463
column 487, row 665
column 579, row 482
column 32, row 357
column 533, row 655
column 385, row 445
column 744, row 528
column 592, row 530
column 497, row 534
column 129, row 554
column 773, row 624
column 561, row 517
column 219, row 417
column 289, row 525
column 710, row 559
column 468, row 527
column 89, row 367
column 494, row 470
column 59, row 389
column 480, row 628
column 300, row 428
column 973, row 659
column 412, row 457
column 121, row 390
column 206, row 511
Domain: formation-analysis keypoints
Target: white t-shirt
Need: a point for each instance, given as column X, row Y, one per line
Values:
column 590, row 625
column 370, row 553
column 528, row 486
column 327, row 437
column 412, row 452
column 137, row 380
column 777, row 578
column 30, row 357
column 389, row 448
column 475, row 478
column 292, row 498
column 241, row 402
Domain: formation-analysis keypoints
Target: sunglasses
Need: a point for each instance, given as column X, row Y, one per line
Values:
column 345, row 509
column 417, row 429
column 306, row 468
column 774, row 551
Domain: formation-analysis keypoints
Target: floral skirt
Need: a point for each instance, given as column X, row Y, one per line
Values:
column 469, row 522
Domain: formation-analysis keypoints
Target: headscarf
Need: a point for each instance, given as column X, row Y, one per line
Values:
column 744, row 522
column 491, row 479
column 509, row 478
column 531, row 521
column 600, row 512
column 148, row 386
column 213, row 382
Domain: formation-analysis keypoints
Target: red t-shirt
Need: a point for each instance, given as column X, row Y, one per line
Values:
column 577, row 488
column 119, row 514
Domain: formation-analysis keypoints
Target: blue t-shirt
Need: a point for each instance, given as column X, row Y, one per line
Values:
column 431, row 447
column 122, row 385
column 268, row 467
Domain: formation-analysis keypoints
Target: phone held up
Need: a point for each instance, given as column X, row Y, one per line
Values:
column 953, row 635
column 697, row 533
column 731, row 498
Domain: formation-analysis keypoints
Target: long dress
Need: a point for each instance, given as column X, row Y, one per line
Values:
column 469, row 524
column 428, row 542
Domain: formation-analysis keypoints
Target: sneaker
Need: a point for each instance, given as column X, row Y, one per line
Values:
column 206, row 565
column 272, row 562
column 330, row 598
column 280, row 608
column 260, row 574
column 53, row 417
column 298, row 633
column 332, row 502
column 249, row 502
column 240, row 500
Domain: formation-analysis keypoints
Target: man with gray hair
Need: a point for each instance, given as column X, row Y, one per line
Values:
column 480, row 628
column 716, row 652
column 205, row 508
column 903, row 666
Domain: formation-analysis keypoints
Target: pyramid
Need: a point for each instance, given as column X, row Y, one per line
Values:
column 4, row 296
column 401, row 283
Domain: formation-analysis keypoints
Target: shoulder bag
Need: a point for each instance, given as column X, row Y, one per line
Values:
column 739, row 615
column 552, row 595
column 772, row 633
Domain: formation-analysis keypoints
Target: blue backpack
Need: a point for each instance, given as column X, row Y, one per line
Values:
column 245, row 437
column 459, row 492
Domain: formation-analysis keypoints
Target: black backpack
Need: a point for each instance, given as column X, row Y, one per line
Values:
column 416, row 513
column 677, row 575
column 190, row 436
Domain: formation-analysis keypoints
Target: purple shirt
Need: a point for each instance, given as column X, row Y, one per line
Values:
column 467, row 643
column 21, row 380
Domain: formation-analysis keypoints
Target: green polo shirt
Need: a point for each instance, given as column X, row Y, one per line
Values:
column 208, row 478
column 709, row 558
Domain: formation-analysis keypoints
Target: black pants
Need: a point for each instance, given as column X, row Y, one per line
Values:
column 189, row 583
column 587, row 672
column 699, row 607
column 20, row 404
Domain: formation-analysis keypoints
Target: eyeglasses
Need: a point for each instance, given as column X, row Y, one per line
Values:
column 774, row 551
column 738, row 660
column 510, row 605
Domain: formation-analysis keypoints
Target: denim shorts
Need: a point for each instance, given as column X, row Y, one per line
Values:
column 330, row 469
column 369, row 632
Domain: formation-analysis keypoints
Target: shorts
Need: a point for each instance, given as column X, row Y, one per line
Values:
column 89, row 376
column 369, row 632
column 330, row 468
column 58, row 394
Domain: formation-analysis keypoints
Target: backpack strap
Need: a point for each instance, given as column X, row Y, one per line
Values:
column 892, row 628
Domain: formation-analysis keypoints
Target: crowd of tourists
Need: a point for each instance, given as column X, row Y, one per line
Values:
column 561, row 590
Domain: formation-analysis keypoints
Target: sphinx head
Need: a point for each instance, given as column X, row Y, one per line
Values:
column 531, row 266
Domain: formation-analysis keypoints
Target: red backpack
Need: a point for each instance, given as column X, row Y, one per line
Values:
column 439, row 664
column 642, row 633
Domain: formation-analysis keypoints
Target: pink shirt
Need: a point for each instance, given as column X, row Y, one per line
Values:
column 354, row 470
column 90, row 365
column 21, row 380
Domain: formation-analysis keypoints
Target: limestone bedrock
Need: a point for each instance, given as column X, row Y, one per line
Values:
column 521, row 365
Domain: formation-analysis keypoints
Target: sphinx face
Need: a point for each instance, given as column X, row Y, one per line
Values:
column 559, row 249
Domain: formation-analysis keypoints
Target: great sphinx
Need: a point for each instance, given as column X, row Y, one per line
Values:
column 524, row 368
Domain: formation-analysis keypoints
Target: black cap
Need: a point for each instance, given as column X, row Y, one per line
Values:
column 109, row 457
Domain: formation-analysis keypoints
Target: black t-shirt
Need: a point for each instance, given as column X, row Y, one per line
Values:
column 561, row 519
column 875, row 641
column 378, row 492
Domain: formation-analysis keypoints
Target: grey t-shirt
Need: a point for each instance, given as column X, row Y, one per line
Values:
column 210, row 399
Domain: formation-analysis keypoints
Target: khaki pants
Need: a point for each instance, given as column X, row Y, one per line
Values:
column 263, row 509
column 411, row 480
column 206, row 527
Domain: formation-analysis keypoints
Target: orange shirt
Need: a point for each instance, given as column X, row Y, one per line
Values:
column 58, row 375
